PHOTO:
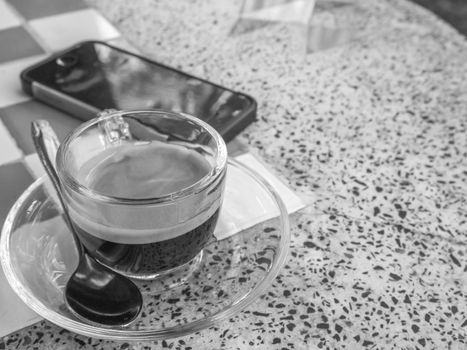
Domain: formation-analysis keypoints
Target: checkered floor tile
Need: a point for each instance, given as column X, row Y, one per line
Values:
column 20, row 44
column 18, row 118
column 43, row 8
column 29, row 31
column 8, row 18
column 51, row 29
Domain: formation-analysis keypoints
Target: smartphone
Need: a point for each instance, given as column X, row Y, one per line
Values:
column 91, row 76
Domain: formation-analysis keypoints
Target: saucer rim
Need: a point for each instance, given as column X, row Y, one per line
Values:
column 124, row 334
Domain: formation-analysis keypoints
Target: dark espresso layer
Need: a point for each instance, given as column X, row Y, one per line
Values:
column 150, row 258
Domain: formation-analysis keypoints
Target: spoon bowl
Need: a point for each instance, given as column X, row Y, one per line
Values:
column 101, row 295
column 93, row 292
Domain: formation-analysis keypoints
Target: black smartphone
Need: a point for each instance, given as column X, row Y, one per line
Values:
column 92, row 76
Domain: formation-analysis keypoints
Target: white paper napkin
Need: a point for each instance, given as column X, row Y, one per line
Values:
column 246, row 203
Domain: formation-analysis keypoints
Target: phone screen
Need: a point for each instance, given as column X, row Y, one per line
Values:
column 105, row 77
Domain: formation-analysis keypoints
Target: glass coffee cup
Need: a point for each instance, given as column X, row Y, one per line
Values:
column 143, row 188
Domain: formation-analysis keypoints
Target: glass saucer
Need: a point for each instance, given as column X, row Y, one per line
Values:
column 38, row 257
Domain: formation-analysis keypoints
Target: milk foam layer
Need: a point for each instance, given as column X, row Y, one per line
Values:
column 145, row 170
column 139, row 224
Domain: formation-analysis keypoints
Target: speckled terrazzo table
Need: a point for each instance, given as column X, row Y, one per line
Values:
column 373, row 135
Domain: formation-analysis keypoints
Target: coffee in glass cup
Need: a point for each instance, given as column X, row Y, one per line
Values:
column 143, row 188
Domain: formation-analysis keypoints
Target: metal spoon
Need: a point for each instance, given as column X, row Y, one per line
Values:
column 93, row 292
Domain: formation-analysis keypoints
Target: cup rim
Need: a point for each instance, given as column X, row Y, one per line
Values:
column 70, row 181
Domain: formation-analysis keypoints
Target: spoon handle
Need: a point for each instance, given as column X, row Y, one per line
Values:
column 46, row 144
